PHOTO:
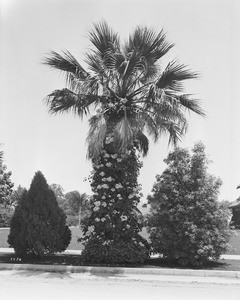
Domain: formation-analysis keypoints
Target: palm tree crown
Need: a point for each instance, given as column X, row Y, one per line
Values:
column 133, row 96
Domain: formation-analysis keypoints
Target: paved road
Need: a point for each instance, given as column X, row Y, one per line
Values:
column 26, row 285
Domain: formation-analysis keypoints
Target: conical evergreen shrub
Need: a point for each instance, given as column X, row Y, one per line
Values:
column 38, row 225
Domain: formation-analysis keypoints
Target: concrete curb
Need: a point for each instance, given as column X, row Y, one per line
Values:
column 118, row 271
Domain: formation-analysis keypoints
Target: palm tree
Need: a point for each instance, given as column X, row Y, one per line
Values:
column 133, row 98
column 127, row 87
column 79, row 204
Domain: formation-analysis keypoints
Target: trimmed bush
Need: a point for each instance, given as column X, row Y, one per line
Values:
column 38, row 225
column 186, row 222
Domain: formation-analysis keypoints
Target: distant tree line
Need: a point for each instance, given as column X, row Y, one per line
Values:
column 75, row 205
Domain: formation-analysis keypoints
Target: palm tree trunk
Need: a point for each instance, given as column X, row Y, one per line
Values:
column 79, row 216
column 116, row 195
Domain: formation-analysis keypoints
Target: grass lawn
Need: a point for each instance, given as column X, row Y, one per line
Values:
column 234, row 243
column 76, row 233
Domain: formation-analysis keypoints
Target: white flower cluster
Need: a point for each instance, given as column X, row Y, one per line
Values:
column 106, row 243
column 111, row 105
column 102, row 219
column 97, row 204
column 109, row 139
column 103, row 186
column 109, row 179
column 90, row 230
column 186, row 177
column 99, row 166
column 135, row 192
column 124, row 218
column 118, row 186
column 123, row 100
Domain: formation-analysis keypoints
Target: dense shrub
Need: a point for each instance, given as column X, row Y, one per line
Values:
column 186, row 223
column 38, row 225
column 98, row 251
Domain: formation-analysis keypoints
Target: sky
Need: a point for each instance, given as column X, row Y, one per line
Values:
column 206, row 37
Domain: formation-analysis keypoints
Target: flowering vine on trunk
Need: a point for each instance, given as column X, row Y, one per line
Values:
column 116, row 194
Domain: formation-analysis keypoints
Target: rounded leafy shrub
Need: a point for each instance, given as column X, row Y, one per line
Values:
column 38, row 225
column 186, row 222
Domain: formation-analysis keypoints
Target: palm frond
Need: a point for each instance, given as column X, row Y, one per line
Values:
column 123, row 135
column 60, row 101
column 96, row 135
column 191, row 104
column 157, row 124
column 142, row 51
column 142, row 142
column 67, row 63
column 151, row 73
column 173, row 75
column 165, row 106
column 149, row 123
column 132, row 69
column 175, row 131
column 95, row 64
column 103, row 38
column 148, row 44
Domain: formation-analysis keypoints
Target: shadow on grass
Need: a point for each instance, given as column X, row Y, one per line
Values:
column 53, row 259
column 76, row 260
